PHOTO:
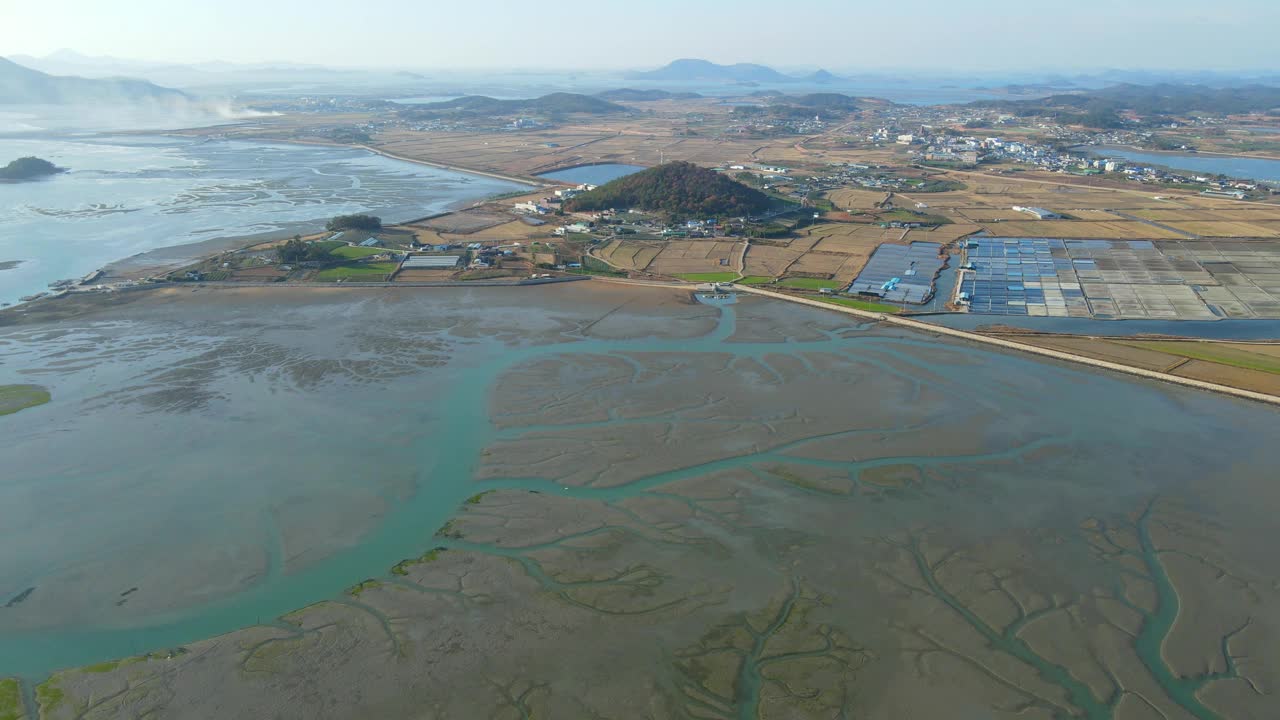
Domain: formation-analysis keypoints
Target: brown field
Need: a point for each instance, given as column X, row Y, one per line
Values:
column 855, row 199
column 268, row 272
column 1095, row 216
column 836, row 250
column 943, row 233
column 987, row 214
column 1086, row 230
column 424, row 275
column 1226, row 229
column 1233, row 376
column 636, row 140
column 466, row 221
column 848, row 238
column 514, row 230
column 1104, row 350
column 770, row 261
column 631, row 254
column 693, row 256
column 1132, row 354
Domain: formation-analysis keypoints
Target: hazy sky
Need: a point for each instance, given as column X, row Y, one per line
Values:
column 838, row 34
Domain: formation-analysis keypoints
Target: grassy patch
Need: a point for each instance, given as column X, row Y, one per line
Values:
column 20, row 397
column 348, row 252
column 808, row 283
column 366, row 585
column 489, row 274
column 708, row 277
column 475, row 499
column 1232, row 355
column 372, row 272
column 402, row 567
column 10, row 700
column 328, row 245
column 756, row 280
column 49, row 696
column 587, row 271
column 860, row 304
column 905, row 216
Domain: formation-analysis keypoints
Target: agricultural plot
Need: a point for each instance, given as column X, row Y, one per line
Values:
column 1240, row 214
column 468, row 221
column 1225, row 229
column 631, row 254
column 855, row 199
column 1093, row 215
column 900, row 273
column 1190, row 280
column 425, row 275
column 942, row 234
column 1245, row 275
column 1022, row 276
column 1086, row 230
column 685, row 257
column 769, row 260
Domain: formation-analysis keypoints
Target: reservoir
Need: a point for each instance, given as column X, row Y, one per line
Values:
column 1261, row 169
column 593, row 174
column 128, row 194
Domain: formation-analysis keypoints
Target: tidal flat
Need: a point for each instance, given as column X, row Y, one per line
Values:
column 587, row 501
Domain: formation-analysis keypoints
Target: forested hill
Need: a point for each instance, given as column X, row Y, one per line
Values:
column 547, row 104
column 1102, row 108
column 678, row 189
column 28, row 168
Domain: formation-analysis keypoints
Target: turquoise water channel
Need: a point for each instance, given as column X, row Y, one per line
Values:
column 430, row 414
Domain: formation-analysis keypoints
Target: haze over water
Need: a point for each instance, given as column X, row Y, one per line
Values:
column 129, row 194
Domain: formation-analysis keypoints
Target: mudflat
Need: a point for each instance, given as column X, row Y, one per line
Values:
column 578, row 501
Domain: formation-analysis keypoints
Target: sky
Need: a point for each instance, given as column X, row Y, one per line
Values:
column 841, row 35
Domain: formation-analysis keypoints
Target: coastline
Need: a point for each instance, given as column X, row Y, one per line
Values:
column 170, row 257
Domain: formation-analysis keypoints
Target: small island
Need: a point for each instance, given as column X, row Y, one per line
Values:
column 29, row 168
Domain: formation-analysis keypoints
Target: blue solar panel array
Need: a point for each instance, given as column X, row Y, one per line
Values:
column 901, row 273
column 1022, row 276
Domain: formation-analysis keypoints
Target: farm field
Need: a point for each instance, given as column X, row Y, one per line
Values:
column 631, row 254
column 1082, row 230
column 679, row 257
column 363, row 271
column 1220, row 229
column 709, row 277
column 1264, row 358
column 1245, row 366
column 351, row 252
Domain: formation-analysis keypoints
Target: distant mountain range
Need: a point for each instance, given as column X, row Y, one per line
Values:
column 695, row 70
column 633, row 95
column 553, row 103
column 21, row 85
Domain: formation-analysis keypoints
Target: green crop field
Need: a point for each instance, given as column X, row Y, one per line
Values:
column 1235, row 356
column 809, row 283
column 861, row 305
column 756, row 280
column 369, row 272
column 349, row 252
column 709, row 277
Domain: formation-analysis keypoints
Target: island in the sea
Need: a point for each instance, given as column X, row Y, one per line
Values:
column 29, row 168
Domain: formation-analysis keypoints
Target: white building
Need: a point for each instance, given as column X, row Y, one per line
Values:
column 531, row 208
column 1038, row 213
